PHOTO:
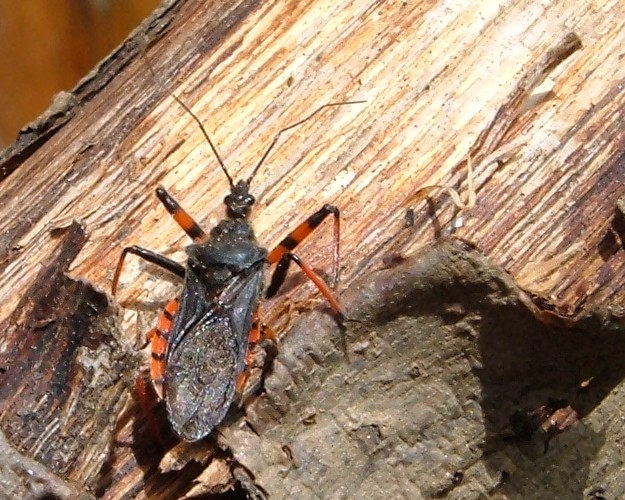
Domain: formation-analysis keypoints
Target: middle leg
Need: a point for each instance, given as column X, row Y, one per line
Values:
column 283, row 257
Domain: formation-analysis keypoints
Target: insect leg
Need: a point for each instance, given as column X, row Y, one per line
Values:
column 155, row 258
column 142, row 394
column 312, row 275
column 259, row 331
column 159, row 343
column 184, row 220
column 282, row 255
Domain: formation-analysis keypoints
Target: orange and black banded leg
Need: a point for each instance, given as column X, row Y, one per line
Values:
column 159, row 344
column 312, row 275
column 259, row 332
column 297, row 236
column 283, row 257
column 184, row 220
column 155, row 258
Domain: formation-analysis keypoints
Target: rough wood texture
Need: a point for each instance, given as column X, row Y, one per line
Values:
column 443, row 355
column 63, row 369
column 435, row 76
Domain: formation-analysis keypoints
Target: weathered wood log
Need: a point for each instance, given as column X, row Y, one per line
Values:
column 442, row 84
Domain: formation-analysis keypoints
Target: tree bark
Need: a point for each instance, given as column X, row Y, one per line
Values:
column 414, row 398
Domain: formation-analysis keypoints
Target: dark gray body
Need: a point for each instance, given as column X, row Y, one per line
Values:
column 209, row 337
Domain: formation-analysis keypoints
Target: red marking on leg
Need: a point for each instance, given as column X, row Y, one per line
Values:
column 255, row 332
column 150, row 335
column 321, row 285
column 167, row 316
column 242, row 379
column 159, row 342
column 295, row 237
column 159, row 346
column 282, row 256
column 301, row 232
column 184, row 220
column 258, row 331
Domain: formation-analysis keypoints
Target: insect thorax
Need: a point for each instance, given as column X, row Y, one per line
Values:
column 231, row 250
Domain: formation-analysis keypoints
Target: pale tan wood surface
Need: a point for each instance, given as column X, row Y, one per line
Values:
column 432, row 79
column 434, row 75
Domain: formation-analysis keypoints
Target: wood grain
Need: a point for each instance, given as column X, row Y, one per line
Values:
column 434, row 76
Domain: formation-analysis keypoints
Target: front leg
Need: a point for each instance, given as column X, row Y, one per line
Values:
column 155, row 258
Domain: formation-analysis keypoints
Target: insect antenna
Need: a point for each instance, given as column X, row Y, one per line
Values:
column 271, row 145
column 197, row 120
column 293, row 125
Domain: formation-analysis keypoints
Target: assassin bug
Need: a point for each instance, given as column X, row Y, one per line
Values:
column 202, row 341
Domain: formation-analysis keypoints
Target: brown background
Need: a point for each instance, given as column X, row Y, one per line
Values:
column 46, row 47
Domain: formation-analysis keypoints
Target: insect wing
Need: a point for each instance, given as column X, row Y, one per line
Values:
column 208, row 356
column 200, row 383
